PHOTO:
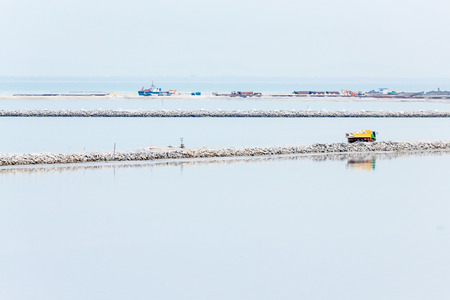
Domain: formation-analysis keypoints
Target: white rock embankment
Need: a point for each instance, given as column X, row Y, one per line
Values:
column 186, row 153
column 223, row 114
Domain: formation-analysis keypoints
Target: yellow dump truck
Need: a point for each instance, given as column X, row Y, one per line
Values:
column 361, row 136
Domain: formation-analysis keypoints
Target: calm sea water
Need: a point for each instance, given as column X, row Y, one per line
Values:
column 39, row 85
column 305, row 227
column 100, row 134
column 288, row 228
column 143, row 103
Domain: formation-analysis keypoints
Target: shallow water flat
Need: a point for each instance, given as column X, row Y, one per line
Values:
column 100, row 134
column 224, row 104
column 372, row 227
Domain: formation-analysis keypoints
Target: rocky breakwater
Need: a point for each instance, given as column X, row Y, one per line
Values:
column 186, row 153
column 223, row 114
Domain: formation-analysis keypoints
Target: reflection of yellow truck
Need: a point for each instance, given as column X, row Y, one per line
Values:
column 365, row 165
column 361, row 136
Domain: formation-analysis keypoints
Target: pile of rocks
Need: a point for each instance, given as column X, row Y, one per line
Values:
column 224, row 114
column 178, row 153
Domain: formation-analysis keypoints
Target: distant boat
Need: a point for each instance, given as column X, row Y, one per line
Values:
column 154, row 91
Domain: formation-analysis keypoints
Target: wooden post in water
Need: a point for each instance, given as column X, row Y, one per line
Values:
column 182, row 142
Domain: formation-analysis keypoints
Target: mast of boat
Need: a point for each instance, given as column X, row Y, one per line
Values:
column 153, row 88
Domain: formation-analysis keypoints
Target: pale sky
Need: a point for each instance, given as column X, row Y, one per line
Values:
column 286, row 38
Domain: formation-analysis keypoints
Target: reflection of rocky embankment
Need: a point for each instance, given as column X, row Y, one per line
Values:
column 224, row 114
column 354, row 161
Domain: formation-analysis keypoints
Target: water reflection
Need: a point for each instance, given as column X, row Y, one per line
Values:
column 355, row 161
column 366, row 164
column 294, row 227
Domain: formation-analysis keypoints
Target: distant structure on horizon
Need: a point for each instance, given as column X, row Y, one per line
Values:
column 438, row 92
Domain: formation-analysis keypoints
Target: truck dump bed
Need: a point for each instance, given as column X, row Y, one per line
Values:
column 361, row 136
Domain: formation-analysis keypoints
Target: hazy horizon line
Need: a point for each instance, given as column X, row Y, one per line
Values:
column 214, row 78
